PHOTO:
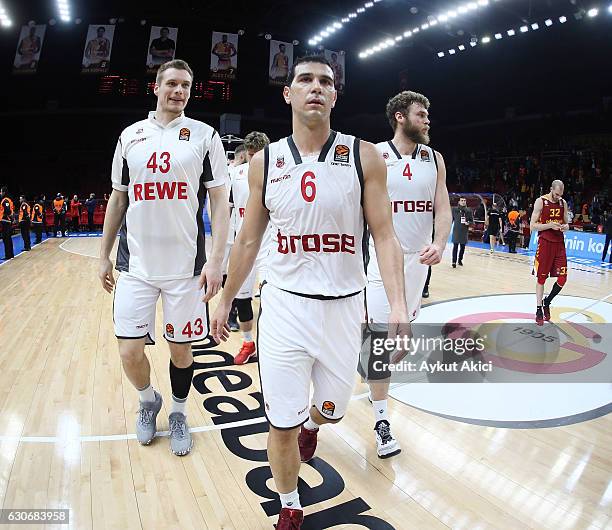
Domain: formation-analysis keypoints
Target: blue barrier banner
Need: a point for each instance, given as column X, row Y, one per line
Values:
column 578, row 244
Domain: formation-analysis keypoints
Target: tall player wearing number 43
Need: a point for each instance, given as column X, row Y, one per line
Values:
column 162, row 171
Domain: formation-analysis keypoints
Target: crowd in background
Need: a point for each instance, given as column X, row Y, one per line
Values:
column 54, row 217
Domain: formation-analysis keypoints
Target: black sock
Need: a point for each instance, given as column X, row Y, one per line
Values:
column 180, row 380
column 553, row 292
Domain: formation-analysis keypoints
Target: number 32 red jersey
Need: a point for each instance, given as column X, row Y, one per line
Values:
column 317, row 222
column 552, row 212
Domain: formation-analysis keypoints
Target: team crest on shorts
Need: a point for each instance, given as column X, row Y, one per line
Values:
column 341, row 154
column 328, row 408
column 280, row 161
column 184, row 134
column 425, row 156
column 170, row 331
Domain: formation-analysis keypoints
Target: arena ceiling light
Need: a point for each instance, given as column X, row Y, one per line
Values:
column 432, row 21
column 329, row 30
column 64, row 10
column 5, row 20
column 593, row 12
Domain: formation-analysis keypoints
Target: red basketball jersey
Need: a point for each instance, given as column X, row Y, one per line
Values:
column 552, row 212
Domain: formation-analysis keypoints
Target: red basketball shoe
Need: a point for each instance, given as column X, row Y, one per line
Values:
column 307, row 441
column 289, row 519
column 246, row 352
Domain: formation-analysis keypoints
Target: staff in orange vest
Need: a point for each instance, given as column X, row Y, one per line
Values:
column 6, row 220
column 24, row 222
column 59, row 209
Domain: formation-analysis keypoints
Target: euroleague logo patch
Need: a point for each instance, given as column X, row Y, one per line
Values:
column 170, row 331
column 184, row 134
column 328, row 408
column 425, row 156
column 341, row 153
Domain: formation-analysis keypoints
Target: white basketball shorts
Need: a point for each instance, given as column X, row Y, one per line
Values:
column 185, row 315
column 415, row 275
column 303, row 340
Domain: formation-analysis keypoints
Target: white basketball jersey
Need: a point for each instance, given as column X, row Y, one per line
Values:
column 239, row 193
column 166, row 171
column 411, row 181
column 315, row 205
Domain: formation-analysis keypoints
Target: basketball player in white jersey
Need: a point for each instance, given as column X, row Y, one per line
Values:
column 416, row 180
column 240, row 158
column 239, row 194
column 162, row 170
column 315, row 187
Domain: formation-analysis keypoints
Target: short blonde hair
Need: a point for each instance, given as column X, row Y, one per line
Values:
column 401, row 103
column 179, row 64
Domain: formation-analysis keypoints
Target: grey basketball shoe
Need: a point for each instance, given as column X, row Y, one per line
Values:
column 146, row 424
column 180, row 437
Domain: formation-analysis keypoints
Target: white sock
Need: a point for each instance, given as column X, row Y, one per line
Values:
column 380, row 410
column 147, row 394
column 178, row 405
column 311, row 425
column 291, row 500
column 247, row 336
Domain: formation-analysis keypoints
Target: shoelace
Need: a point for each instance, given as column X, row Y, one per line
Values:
column 146, row 416
column 177, row 427
column 384, row 432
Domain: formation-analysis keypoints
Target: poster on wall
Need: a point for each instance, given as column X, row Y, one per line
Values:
column 98, row 47
column 280, row 60
column 224, row 56
column 29, row 47
column 162, row 47
column 336, row 59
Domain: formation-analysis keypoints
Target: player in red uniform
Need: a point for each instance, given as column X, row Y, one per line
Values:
column 549, row 217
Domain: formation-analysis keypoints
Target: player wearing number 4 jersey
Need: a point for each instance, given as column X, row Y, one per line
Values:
column 416, row 179
column 315, row 187
column 162, row 170
column 549, row 219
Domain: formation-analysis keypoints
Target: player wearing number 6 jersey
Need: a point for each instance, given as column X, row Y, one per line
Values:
column 549, row 219
column 162, row 171
column 416, row 179
column 315, row 187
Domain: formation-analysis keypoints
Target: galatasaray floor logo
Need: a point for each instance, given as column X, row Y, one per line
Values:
column 557, row 374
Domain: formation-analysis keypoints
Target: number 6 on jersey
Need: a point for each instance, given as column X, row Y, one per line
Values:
column 309, row 189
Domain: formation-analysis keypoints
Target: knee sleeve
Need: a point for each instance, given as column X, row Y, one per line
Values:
column 245, row 309
column 541, row 280
column 561, row 280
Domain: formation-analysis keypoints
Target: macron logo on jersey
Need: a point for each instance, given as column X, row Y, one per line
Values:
column 152, row 191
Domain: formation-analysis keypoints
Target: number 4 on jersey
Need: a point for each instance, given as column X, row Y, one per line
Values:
column 407, row 172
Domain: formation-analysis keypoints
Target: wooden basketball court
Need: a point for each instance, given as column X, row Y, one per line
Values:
column 67, row 421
